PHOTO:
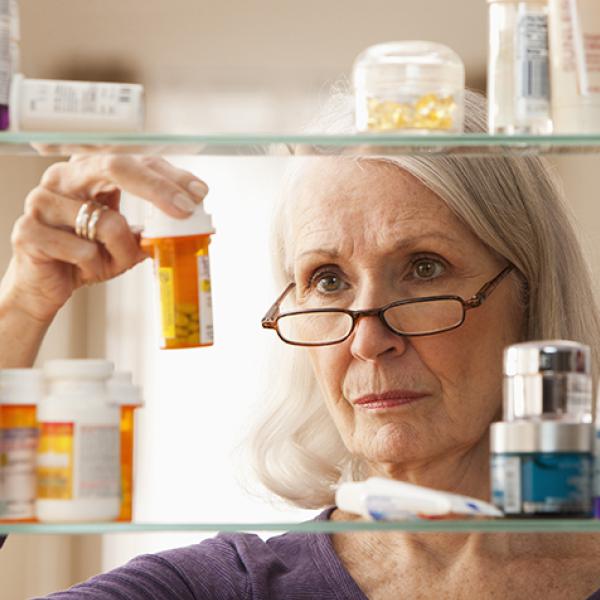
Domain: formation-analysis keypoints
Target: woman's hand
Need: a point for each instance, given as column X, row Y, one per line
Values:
column 50, row 261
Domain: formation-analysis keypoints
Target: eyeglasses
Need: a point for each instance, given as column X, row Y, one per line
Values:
column 412, row 317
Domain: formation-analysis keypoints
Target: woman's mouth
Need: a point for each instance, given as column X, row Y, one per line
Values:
column 390, row 399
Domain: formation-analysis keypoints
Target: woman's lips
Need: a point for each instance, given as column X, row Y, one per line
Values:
column 389, row 399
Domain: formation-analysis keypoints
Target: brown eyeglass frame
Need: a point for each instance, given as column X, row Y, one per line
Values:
column 269, row 321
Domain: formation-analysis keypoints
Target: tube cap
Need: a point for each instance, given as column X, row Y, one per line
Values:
column 157, row 224
column 350, row 497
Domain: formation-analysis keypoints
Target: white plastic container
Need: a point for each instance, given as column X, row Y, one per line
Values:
column 9, row 53
column 21, row 391
column 55, row 105
column 518, row 69
column 79, row 446
column 575, row 57
column 410, row 86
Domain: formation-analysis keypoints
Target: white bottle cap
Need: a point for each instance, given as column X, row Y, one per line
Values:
column 122, row 391
column 350, row 497
column 82, row 368
column 157, row 224
column 21, row 386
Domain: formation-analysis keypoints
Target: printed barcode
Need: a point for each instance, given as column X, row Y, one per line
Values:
column 535, row 82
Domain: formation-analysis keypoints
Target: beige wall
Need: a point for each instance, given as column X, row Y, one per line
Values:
column 34, row 565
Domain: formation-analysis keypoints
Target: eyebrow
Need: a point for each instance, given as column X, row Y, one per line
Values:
column 333, row 253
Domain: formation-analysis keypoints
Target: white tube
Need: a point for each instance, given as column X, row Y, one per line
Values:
column 387, row 500
column 54, row 105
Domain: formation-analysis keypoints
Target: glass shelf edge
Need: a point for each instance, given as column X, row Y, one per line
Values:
column 447, row 526
column 66, row 143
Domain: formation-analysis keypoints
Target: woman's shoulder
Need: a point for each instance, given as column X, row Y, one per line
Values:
column 228, row 566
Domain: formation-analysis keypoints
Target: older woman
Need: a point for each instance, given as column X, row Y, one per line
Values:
column 406, row 393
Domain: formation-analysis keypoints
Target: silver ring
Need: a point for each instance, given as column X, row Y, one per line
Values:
column 93, row 222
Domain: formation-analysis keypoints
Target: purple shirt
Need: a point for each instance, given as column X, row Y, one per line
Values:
column 294, row 566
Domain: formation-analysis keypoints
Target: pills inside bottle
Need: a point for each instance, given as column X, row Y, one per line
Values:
column 414, row 86
column 179, row 248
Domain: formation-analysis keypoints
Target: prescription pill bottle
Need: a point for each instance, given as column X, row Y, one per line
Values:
column 57, row 105
column 410, row 86
column 78, row 465
column 20, row 393
column 182, row 274
column 127, row 397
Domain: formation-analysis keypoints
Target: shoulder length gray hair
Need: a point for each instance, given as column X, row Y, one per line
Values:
column 514, row 205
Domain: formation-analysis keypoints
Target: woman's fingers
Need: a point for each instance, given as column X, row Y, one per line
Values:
column 112, row 229
column 173, row 190
column 43, row 244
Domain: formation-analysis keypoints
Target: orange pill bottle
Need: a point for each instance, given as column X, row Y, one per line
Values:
column 20, row 393
column 128, row 397
column 179, row 248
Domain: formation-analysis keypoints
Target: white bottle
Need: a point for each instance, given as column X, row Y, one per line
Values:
column 55, row 105
column 79, row 445
column 20, row 393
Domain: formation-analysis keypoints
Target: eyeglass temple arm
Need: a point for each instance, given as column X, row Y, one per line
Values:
column 488, row 288
column 268, row 321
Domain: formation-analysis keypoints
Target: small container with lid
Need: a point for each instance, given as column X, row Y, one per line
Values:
column 409, row 86
column 20, row 393
column 78, row 466
column 541, row 454
column 128, row 398
column 182, row 273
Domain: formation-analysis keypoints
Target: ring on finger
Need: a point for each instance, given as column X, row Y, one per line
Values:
column 92, row 224
column 83, row 218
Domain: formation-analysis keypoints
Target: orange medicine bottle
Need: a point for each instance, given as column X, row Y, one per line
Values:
column 128, row 397
column 179, row 248
column 20, row 393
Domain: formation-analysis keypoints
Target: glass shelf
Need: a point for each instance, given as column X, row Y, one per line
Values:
column 423, row 526
column 247, row 144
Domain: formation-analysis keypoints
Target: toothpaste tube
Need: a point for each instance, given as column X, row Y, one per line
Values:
column 390, row 500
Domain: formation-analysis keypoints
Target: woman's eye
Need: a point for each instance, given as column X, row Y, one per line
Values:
column 427, row 268
column 327, row 283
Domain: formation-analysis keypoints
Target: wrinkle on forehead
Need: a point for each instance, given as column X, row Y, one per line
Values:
column 352, row 204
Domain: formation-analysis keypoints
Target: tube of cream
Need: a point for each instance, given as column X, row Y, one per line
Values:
column 390, row 500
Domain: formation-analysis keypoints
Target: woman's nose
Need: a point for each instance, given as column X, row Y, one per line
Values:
column 371, row 340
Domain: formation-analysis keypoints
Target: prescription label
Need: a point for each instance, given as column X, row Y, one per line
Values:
column 55, row 461
column 205, row 300
column 98, row 452
column 167, row 301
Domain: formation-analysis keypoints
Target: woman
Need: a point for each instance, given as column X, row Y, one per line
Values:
column 410, row 404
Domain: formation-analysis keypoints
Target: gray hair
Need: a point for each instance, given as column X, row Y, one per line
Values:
column 514, row 205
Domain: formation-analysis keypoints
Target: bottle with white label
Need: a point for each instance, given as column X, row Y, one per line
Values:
column 56, row 105
column 518, row 67
column 78, row 466
column 182, row 273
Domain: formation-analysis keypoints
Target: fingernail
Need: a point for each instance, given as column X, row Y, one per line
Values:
column 184, row 203
column 198, row 188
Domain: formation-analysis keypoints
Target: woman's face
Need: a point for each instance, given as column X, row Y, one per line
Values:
column 366, row 234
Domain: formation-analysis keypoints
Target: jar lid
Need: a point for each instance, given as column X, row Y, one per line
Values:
column 157, row 224
column 540, row 436
column 122, row 391
column 557, row 356
column 21, row 386
column 82, row 368
column 400, row 63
